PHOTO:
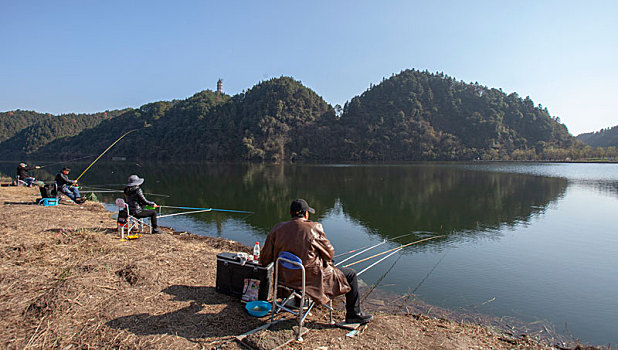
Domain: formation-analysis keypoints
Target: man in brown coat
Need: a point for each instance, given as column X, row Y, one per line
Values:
column 307, row 240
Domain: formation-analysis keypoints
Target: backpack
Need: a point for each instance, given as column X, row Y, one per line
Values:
column 123, row 217
column 48, row 191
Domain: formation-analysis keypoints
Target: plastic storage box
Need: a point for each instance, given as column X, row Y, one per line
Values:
column 48, row 202
column 231, row 274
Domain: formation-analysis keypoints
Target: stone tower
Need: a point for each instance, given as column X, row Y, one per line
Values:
column 220, row 86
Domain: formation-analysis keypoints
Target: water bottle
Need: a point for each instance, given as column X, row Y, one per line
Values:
column 256, row 251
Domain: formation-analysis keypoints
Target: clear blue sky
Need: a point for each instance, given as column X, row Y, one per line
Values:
column 88, row 56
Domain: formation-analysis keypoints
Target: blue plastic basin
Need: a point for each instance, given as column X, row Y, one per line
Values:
column 258, row 308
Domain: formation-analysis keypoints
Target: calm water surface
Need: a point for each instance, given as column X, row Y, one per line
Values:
column 536, row 242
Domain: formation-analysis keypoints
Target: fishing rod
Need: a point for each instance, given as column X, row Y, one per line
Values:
column 361, row 252
column 209, row 209
column 355, row 250
column 379, row 261
column 107, row 149
column 367, row 248
column 187, row 212
column 377, row 283
column 100, row 191
column 390, row 250
column 111, row 190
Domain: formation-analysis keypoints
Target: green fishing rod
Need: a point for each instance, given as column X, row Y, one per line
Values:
column 208, row 209
column 107, row 149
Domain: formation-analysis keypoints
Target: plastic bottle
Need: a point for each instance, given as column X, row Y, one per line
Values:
column 256, row 251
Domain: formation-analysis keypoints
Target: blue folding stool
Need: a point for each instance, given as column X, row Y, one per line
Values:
column 290, row 261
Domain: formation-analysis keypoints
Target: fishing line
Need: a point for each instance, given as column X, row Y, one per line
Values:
column 115, row 190
column 66, row 161
column 107, row 149
column 429, row 273
column 380, row 279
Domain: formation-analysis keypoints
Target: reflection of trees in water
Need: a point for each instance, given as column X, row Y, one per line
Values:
column 607, row 187
column 391, row 200
column 432, row 198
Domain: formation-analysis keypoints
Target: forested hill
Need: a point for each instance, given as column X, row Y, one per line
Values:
column 411, row 116
column 602, row 138
column 418, row 115
column 274, row 120
column 23, row 132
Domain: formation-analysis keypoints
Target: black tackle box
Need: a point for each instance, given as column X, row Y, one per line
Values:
column 231, row 276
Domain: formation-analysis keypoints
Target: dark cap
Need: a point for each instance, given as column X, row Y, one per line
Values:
column 299, row 206
column 66, row 168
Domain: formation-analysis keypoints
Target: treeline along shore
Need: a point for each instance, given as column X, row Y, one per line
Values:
column 411, row 116
column 68, row 282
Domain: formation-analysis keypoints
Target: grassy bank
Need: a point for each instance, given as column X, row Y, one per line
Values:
column 68, row 282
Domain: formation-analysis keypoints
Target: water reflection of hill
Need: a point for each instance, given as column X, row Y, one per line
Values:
column 398, row 200
column 391, row 200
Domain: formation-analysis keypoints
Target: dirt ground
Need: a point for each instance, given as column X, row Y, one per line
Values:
column 68, row 282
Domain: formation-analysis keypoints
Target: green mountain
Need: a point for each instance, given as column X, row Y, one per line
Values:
column 24, row 132
column 602, row 138
column 13, row 122
column 272, row 121
column 411, row 116
column 421, row 116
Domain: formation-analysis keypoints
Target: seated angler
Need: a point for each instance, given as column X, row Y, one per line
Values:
column 22, row 173
column 135, row 199
column 68, row 186
column 307, row 240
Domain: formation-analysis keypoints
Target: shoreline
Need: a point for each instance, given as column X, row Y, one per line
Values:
column 69, row 282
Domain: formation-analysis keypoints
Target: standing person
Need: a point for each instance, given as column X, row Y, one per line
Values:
column 307, row 240
column 22, row 174
column 68, row 186
column 134, row 197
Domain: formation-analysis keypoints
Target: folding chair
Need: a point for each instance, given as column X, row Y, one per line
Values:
column 20, row 182
column 290, row 261
column 127, row 222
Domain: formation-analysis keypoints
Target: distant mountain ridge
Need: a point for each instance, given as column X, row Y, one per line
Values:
column 602, row 138
column 413, row 115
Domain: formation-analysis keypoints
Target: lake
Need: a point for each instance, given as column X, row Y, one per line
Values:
column 528, row 241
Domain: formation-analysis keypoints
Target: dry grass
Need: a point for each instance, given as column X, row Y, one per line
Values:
column 68, row 282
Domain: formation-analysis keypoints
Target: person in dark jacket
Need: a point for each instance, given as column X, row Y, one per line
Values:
column 68, row 186
column 22, row 173
column 307, row 240
column 135, row 199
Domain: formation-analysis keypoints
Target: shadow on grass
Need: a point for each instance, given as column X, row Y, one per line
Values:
column 209, row 314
